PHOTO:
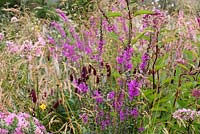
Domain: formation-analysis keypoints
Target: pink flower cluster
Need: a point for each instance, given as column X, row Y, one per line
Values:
column 25, row 123
column 196, row 93
column 27, row 49
column 155, row 20
column 186, row 114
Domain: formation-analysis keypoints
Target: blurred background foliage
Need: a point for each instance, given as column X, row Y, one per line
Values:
column 75, row 9
column 81, row 9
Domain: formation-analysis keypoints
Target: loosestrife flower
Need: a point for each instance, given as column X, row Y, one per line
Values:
column 69, row 52
column 122, row 115
column 145, row 59
column 84, row 118
column 124, row 59
column 118, row 103
column 185, row 114
column 133, row 89
column 62, row 15
column 97, row 96
column 134, row 112
column 59, row 28
column 155, row 20
column 111, row 95
column 82, row 87
column 141, row 129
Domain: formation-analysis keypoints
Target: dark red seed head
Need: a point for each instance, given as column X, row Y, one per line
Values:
column 89, row 69
column 84, row 72
column 33, row 95
column 97, row 79
column 94, row 72
column 71, row 77
column 57, row 103
column 108, row 70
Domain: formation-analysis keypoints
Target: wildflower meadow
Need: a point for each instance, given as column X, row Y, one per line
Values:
column 100, row 67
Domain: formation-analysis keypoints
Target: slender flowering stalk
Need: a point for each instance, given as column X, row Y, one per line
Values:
column 111, row 95
column 155, row 20
column 133, row 89
column 97, row 96
column 84, row 118
column 145, row 59
column 62, row 15
column 124, row 60
column 59, row 28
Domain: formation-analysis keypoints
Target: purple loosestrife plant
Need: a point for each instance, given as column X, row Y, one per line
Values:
column 134, row 113
column 62, row 15
column 155, row 20
column 144, row 63
column 111, row 95
column 125, row 60
column 98, row 97
column 84, row 118
column 133, row 89
column 59, row 28
column 119, row 101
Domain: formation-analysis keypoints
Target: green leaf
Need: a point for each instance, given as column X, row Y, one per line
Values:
column 113, row 35
column 113, row 114
column 183, row 66
column 116, row 74
column 140, row 35
column 161, row 62
column 159, row 109
column 141, row 12
column 114, row 14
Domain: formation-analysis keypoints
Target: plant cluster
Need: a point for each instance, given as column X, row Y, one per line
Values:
column 125, row 70
column 20, row 123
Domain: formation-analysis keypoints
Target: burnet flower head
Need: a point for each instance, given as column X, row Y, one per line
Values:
column 196, row 93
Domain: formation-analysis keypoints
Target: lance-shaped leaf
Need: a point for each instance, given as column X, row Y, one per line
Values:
column 141, row 12
column 140, row 35
column 114, row 14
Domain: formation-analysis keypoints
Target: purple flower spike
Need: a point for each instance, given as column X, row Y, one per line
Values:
column 134, row 113
column 145, row 59
column 111, row 95
column 97, row 96
column 133, row 89
column 62, row 15
column 124, row 59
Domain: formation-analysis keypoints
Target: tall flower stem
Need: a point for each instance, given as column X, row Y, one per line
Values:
column 130, row 23
column 153, row 67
